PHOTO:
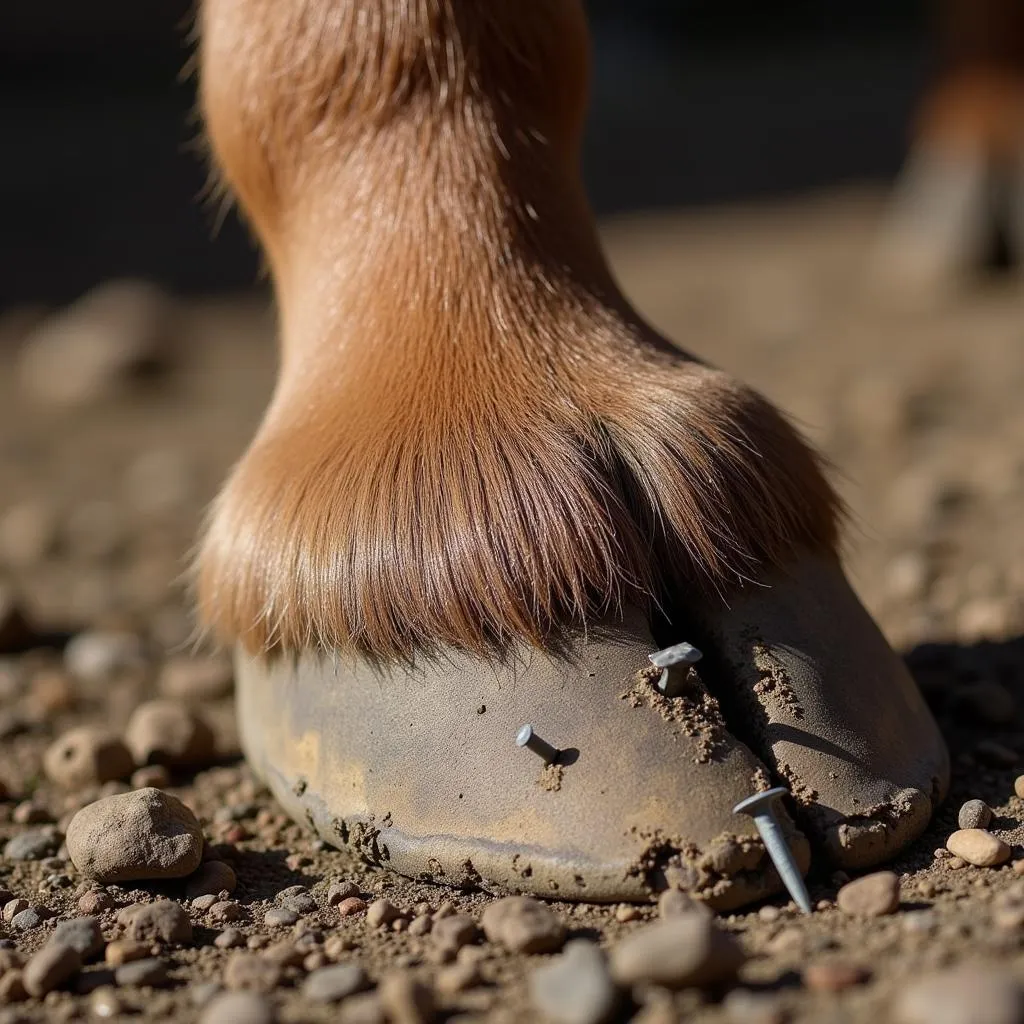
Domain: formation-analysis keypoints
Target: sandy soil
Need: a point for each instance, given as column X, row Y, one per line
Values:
column 917, row 402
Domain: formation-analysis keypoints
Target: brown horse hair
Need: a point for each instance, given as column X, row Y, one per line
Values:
column 474, row 440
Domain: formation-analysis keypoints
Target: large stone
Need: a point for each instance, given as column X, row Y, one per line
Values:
column 144, row 834
column 682, row 952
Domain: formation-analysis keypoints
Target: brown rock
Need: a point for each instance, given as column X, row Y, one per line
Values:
column 94, row 901
column 124, row 951
column 163, row 921
column 351, row 906
column 54, row 964
column 683, row 952
column 238, row 1008
column 212, row 878
column 405, row 999
column 522, row 925
column 871, row 896
column 978, row 847
column 251, row 973
column 455, row 932
column 339, row 891
column 1018, row 786
column 380, row 912
column 169, row 733
column 142, row 834
column 86, row 756
column 834, row 976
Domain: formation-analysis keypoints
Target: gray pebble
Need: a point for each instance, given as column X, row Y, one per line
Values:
column 26, row 920
column 279, row 917
column 33, row 844
column 82, row 934
column 238, row 1008
column 974, row 814
column 332, row 984
column 151, row 972
column 575, row 988
column 302, row 903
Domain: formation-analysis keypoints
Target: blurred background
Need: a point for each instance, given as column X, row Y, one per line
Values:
column 694, row 102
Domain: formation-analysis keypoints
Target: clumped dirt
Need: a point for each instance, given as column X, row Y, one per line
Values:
column 916, row 400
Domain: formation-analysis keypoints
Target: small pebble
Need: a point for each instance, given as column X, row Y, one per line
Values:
column 124, row 951
column 140, row 835
column 874, row 895
column 151, row 972
column 224, row 912
column 86, row 756
column 82, row 934
column 1018, row 786
column 163, row 921
column 974, row 814
column 379, row 912
column 13, row 907
column 576, row 987
column 251, row 973
column 833, row 976
column 978, row 847
column 522, row 925
column 229, row 939
column 682, row 952
column 212, row 878
column 352, row 905
column 238, row 1008
column 279, row 917
column 95, row 901
column 99, row 656
column 339, row 891
column 53, row 965
column 334, row 983
column 169, row 733
column 35, row 844
column 626, row 912
column 455, row 932
column 105, row 1003
column 26, row 920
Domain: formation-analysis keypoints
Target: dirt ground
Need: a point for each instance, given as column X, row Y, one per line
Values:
column 916, row 400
